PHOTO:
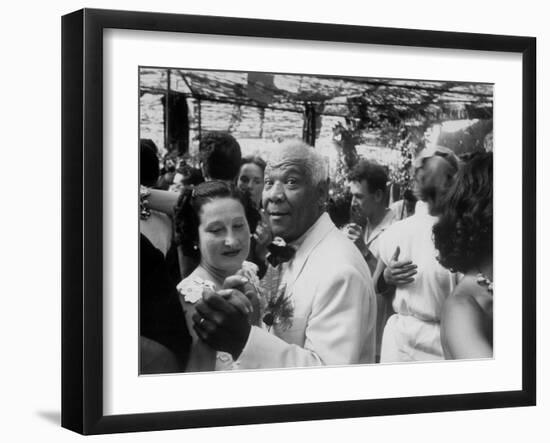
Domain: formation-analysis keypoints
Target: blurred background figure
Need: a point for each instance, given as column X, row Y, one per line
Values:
column 251, row 181
column 164, row 339
column 405, row 207
column 186, row 177
column 220, row 156
column 251, row 177
column 155, row 225
column 408, row 262
column 167, row 172
column 368, row 186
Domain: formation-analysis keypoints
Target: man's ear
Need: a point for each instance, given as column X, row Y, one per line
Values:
column 322, row 192
column 379, row 196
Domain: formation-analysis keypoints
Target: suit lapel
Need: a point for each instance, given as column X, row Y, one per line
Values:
column 317, row 233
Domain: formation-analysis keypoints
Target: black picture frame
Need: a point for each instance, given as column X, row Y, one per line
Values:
column 82, row 231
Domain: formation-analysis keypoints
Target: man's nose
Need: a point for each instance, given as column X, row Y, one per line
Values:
column 276, row 192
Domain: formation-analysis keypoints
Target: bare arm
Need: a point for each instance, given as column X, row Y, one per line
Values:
column 162, row 201
column 464, row 329
column 378, row 277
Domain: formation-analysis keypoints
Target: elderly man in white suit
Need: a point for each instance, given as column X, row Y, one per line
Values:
column 327, row 283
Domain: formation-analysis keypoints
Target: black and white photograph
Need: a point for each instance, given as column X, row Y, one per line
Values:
column 276, row 221
column 298, row 220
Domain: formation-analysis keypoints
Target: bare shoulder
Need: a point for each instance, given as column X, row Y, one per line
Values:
column 467, row 321
column 469, row 298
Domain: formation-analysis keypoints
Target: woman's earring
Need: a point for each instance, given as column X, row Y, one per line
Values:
column 195, row 247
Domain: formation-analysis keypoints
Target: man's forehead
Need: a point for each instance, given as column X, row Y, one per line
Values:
column 355, row 185
column 285, row 166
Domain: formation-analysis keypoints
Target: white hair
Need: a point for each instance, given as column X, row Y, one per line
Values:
column 300, row 153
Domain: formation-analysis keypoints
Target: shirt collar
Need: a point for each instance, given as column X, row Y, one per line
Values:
column 388, row 219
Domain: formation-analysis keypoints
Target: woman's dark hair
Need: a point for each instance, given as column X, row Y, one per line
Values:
column 339, row 208
column 148, row 162
column 190, row 203
column 191, row 176
column 256, row 160
column 464, row 233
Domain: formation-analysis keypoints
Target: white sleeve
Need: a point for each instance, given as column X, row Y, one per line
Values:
column 336, row 331
column 386, row 244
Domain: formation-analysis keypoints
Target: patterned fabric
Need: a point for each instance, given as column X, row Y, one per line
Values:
column 191, row 288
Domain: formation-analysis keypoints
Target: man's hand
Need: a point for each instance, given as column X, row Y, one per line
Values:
column 399, row 273
column 243, row 303
column 241, row 282
column 219, row 320
column 355, row 233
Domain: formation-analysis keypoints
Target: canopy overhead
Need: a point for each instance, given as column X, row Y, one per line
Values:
column 338, row 96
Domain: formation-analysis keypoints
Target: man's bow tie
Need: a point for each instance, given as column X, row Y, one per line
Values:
column 279, row 254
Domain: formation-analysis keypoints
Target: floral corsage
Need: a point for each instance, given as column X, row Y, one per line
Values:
column 279, row 308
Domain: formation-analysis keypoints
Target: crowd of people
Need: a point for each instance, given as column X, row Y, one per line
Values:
column 243, row 267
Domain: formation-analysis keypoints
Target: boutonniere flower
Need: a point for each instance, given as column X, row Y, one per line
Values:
column 279, row 308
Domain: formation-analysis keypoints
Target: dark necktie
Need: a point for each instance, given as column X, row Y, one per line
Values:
column 279, row 254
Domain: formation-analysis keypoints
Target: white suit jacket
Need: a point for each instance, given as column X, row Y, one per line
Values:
column 334, row 320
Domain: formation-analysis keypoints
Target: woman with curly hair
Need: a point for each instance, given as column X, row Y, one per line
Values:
column 213, row 225
column 464, row 239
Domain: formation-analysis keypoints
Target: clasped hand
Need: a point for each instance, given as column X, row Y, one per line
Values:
column 223, row 318
column 355, row 233
column 399, row 272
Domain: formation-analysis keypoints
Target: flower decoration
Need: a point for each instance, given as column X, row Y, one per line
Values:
column 279, row 308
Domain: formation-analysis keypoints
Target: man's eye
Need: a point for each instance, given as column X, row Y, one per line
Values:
column 291, row 181
column 238, row 226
